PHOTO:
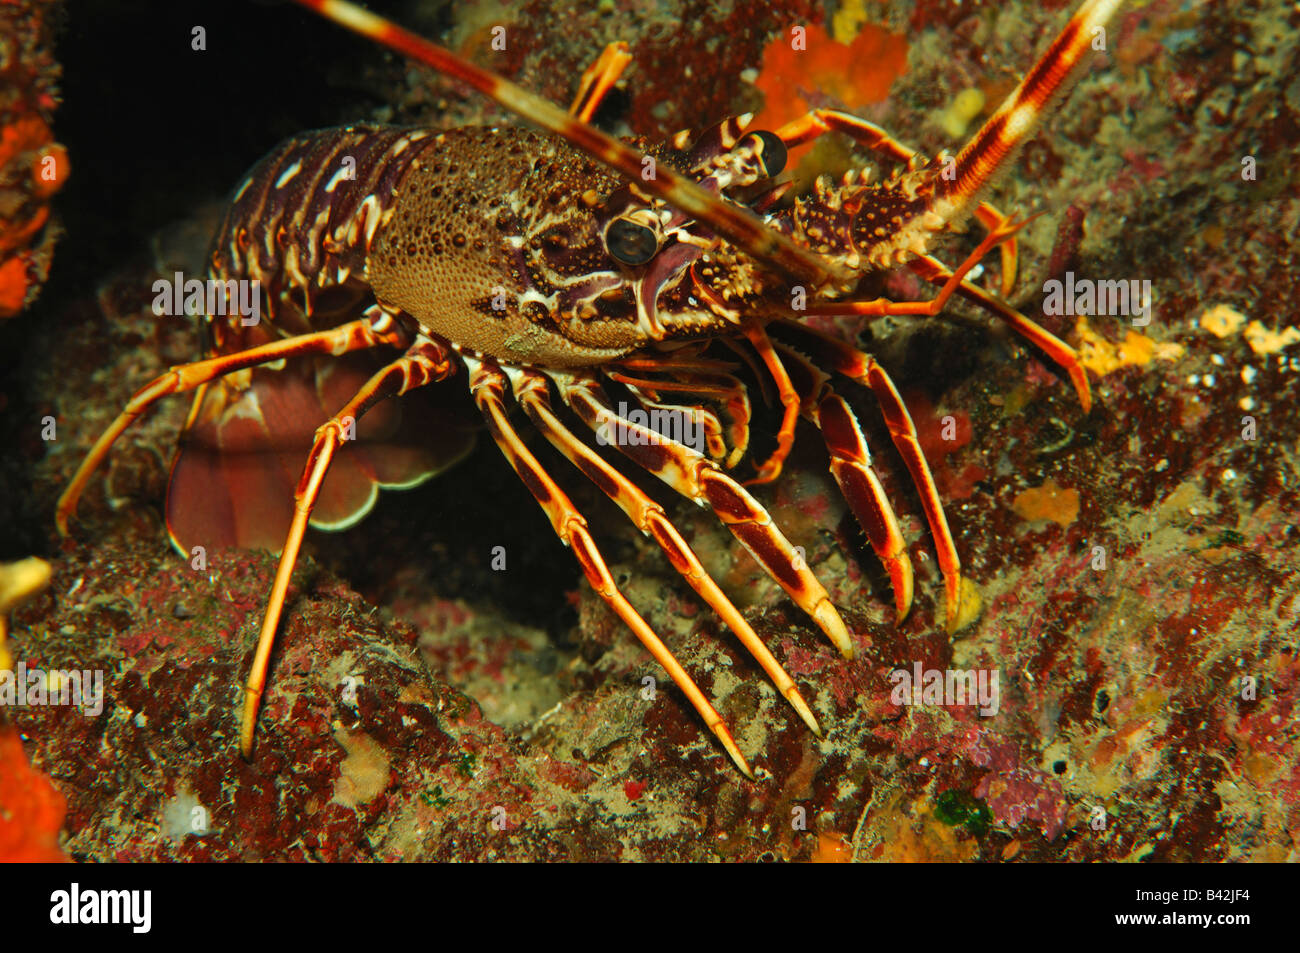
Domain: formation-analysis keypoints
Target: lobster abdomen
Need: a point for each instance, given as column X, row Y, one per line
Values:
column 305, row 216
column 301, row 224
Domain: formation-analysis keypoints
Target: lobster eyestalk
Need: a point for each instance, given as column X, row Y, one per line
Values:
column 727, row 220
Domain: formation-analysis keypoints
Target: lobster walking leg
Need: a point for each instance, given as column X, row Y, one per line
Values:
column 488, row 384
column 992, row 220
column 373, row 331
column 531, row 393
column 933, row 271
column 852, row 363
column 423, row 363
column 598, row 79
column 697, row 478
column 770, row 469
column 817, row 122
column 883, row 306
column 707, row 379
column 851, row 467
column 697, row 414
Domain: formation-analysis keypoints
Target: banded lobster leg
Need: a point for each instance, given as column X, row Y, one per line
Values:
column 532, row 393
column 878, row 307
column 598, row 79
column 711, row 380
column 851, row 467
column 933, row 271
column 424, row 362
column 696, row 414
column 770, row 468
column 488, row 385
column 374, row 330
column 698, row 478
column 828, row 352
column 756, row 335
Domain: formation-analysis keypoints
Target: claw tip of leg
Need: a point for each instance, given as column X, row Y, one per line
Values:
column 742, row 764
column 830, row 622
column 965, row 608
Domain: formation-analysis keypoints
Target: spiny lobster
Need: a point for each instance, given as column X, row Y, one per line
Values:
column 549, row 263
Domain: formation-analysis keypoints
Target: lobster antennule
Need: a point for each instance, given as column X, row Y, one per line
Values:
column 729, row 221
column 989, row 153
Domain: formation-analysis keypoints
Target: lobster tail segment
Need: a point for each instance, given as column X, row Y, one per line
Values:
column 239, row 459
column 990, row 152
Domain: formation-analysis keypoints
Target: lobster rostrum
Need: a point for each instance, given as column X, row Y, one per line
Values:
column 547, row 264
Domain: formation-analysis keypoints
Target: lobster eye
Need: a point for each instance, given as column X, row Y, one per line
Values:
column 769, row 149
column 631, row 243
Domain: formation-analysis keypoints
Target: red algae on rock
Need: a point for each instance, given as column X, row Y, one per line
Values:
column 805, row 66
column 32, row 165
column 31, row 808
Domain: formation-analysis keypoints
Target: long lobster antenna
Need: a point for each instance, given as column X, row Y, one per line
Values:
column 990, row 151
column 730, row 221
